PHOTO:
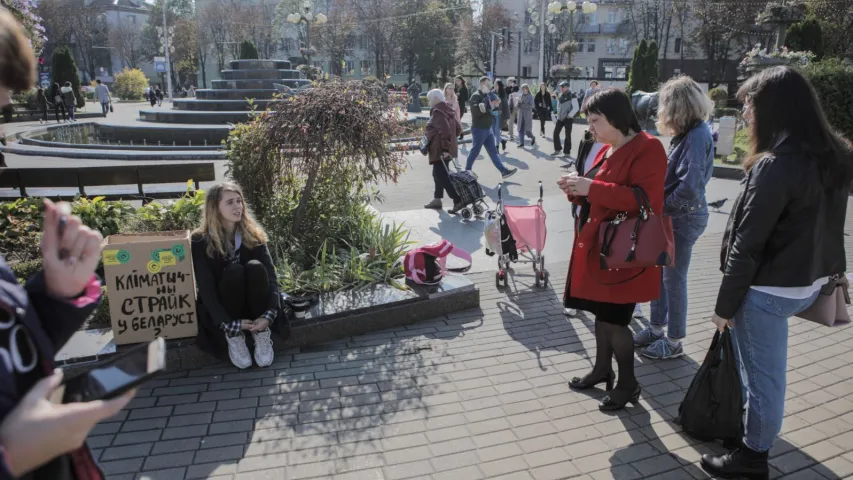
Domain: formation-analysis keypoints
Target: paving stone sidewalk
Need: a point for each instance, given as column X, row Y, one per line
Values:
column 478, row 394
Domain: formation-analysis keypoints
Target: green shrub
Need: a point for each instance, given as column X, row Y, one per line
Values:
column 101, row 215
column 65, row 70
column 100, row 318
column 248, row 51
column 806, row 36
column 26, row 269
column 20, row 229
column 636, row 74
column 833, row 82
column 130, row 84
column 181, row 214
column 719, row 96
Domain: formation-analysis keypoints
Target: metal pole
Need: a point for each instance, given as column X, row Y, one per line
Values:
column 518, row 76
column 492, row 58
column 166, row 47
column 541, row 40
column 307, row 39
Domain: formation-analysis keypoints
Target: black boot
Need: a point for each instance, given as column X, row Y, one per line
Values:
column 738, row 463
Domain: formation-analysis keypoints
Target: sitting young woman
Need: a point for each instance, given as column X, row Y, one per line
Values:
column 237, row 289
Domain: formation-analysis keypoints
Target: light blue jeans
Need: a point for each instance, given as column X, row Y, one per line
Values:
column 483, row 137
column 496, row 127
column 670, row 309
column 760, row 338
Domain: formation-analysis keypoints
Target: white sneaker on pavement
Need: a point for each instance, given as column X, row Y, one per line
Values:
column 263, row 348
column 238, row 351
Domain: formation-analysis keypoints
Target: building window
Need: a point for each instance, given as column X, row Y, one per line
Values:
column 677, row 45
column 527, row 19
column 676, row 72
column 608, row 72
column 590, row 72
column 591, row 19
column 613, row 16
column 288, row 44
column 611, row 45
column 131, row 19
column 397, row 67
column 365, row 67
column 621, row 72
column 590, row 46
column 623, row 45
column 348, row 67
column 318, row 64
column 525, row 72
column 580, row 44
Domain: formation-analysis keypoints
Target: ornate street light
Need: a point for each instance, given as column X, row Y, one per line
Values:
column 307, row 16
column 546, row 19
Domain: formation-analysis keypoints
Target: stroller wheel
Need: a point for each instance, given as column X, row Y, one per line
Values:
column 466, row 213
column 499, row 276
column 478, row 210
column 545, row 278
column 506, row 279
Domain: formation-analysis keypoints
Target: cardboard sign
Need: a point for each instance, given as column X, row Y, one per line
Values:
column 150, row 286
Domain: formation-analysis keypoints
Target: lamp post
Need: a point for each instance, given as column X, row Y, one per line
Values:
column 553, row 9
column 166, row 33
column 307, row 16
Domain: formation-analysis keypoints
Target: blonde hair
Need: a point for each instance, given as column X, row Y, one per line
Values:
column 681, row 105
column 452, row 90
column 252, row 234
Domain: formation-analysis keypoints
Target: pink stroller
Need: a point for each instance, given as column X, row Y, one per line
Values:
column 517, row 234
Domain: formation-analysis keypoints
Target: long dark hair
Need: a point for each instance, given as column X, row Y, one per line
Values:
column 783, row 102
column 501, row 90
column 616, row 107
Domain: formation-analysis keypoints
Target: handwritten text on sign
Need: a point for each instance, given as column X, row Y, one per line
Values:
column 164, row 308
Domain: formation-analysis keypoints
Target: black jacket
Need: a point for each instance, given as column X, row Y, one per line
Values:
column 543, row 104
column 46, row 324
column 208, row 273
column 462, row 98
column 785, row 229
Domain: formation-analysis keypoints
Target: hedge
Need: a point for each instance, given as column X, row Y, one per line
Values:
column 833, row 82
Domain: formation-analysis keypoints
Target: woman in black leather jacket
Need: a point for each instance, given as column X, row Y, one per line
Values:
column 784, row 240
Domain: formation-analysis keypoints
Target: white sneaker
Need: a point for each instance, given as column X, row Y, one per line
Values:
column 238, row 351
column 263, row 348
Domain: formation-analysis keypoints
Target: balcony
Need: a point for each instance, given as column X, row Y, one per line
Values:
column 621, row 28
column 588, row 29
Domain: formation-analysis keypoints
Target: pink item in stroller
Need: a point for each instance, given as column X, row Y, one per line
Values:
column 522, row 237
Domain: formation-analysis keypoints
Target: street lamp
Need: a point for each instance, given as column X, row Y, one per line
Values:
column 545, row 21
column 166, row 34
column 307, row 16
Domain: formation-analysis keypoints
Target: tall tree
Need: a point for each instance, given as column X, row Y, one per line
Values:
column 151, row 44
column 476, row 35
column 836, row 21
column 65, row 70
column 635, row 74
column 335, row 37
column 651, row 67
column 214, row 22
column 379, row 36
column 125, row 38
column 724, row 31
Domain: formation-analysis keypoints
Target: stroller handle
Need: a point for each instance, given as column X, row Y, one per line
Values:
column 541, row 191
column 499, row 188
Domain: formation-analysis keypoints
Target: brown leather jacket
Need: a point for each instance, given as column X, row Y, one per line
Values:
column 442, row 130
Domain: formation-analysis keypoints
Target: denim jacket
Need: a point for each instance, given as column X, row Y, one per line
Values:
column 691, row 163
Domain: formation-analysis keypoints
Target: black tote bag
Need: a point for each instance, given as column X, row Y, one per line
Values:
column 712, row 409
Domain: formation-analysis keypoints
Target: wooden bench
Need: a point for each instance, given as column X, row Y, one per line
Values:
column 83, row 177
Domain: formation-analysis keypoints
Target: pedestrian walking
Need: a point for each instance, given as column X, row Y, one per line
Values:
column 525, row 116
column 503, row 112
column 102, row 92
column 784, row 241
column 481, row 129
column 632, row 159
column 462, row 96
column 511, row 90
column 41, row 100
column 682, row 112
column 152, row 97
column 543, row 106
column 450, row 99
column 567, row 108
column 159, row 97
column 442, row 132
column 58, row 102
column 69, row 99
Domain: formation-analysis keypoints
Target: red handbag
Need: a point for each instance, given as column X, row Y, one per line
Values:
column 640, row 242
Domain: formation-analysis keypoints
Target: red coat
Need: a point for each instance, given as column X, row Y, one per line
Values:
column 640, row 162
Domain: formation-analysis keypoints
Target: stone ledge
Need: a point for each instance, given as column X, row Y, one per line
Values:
column 335, row 316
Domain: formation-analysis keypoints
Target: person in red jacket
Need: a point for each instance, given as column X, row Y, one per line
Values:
column 630, row 158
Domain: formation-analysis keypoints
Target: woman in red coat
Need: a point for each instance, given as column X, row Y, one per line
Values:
column 630, row 158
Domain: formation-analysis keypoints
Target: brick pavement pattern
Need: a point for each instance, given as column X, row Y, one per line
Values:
column 478, row 394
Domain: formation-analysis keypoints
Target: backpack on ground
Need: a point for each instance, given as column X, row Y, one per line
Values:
column 427, row 264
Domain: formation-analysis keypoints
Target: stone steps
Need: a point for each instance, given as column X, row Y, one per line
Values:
column 219, row 105
column 259, row 65
column 256, row 84
column 268, row 74
column 234, row 94
column 196, row 117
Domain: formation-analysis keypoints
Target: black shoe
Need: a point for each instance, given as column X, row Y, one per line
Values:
column 503, row 144
column 579, row 384
column 738, row 463
column 532, row 140
column 608, row 405
column 558, row 152
column 509, row 173
column 456, row 207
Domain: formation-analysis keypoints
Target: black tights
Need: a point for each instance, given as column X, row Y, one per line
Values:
column 244, row 290
column 614, row 340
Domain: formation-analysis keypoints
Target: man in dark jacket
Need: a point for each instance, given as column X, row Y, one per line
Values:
column 567, row 107
column 481, row 129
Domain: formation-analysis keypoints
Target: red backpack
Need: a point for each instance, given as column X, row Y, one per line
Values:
column 427, row 265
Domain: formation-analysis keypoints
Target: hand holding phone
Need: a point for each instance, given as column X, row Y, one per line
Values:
column 70, row 251
column 37, row 430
